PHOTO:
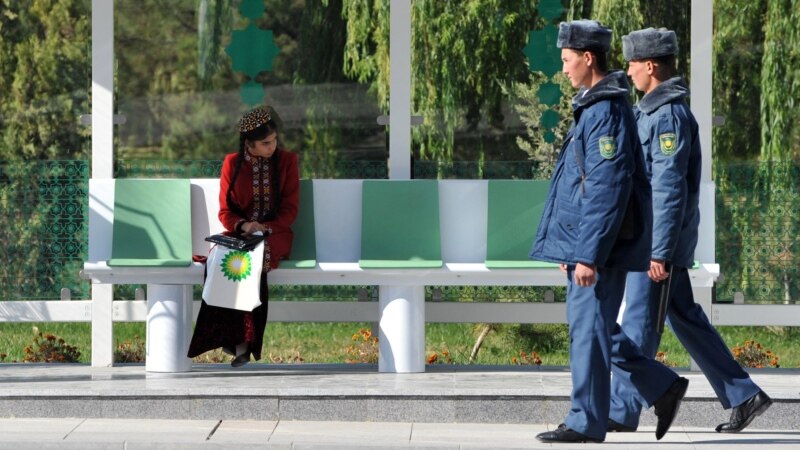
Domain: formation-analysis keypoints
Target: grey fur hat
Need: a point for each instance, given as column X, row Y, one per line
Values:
column 584, row 35
column 649, row 43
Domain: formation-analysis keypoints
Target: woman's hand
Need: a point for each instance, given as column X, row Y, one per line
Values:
column 252, row 227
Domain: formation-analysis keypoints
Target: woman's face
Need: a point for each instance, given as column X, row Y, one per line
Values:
column 263, row 147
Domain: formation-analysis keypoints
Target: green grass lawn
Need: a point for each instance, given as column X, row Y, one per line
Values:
column 452, row 343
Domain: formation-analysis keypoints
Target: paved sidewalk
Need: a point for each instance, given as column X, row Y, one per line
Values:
column 309, row 406
column 130, row 434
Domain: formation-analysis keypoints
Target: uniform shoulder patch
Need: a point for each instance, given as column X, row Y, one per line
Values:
column 608, row 147
column 668, row 144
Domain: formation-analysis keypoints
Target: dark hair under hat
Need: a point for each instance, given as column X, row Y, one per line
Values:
column 649, row 43
column 584, row 35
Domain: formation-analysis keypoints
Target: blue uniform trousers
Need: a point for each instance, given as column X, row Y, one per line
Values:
column 731, row 383
column 598, row 346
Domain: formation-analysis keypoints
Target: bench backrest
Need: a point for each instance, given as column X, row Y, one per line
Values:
column 463, row 228
column 304, row 246
column 400, row 224
column 515, row 208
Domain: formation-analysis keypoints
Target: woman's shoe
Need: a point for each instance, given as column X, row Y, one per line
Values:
column 241, row 360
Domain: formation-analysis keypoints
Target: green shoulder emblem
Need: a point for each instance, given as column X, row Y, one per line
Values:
column 668, row 144
column 608, row 147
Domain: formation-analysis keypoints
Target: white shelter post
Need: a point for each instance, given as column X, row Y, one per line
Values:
column 402, row 308
column 102, row 162
column 702, row 55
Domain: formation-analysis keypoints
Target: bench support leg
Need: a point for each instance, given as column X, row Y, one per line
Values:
column 402, row 329
column 169, row 328
column 102, row 325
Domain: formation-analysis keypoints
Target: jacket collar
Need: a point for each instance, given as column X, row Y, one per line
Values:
column 666, row 92
column 614, row 84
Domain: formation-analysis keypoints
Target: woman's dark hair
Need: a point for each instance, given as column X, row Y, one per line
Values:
column 257, row 134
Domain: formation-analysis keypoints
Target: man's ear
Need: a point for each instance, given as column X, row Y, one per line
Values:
column 588, row 58
column 651, row 67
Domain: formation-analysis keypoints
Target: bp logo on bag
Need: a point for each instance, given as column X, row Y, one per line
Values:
column 236, row 265
column 233, row 278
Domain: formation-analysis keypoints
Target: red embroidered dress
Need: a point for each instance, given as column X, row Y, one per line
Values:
column 262, row 185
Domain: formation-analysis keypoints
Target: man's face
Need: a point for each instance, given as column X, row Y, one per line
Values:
column 640, row 72
column 575, row 66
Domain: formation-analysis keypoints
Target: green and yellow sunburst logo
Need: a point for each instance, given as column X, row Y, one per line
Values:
column 236, row 266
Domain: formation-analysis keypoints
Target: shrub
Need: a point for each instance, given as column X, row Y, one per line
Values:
column 527, row 359
column 442, row 357
column 662, row 358
column 365, row 348
column 293, row 357
column 752, row 354
column 130, row 351
column 50, row 348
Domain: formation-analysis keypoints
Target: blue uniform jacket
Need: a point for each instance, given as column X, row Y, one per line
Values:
column 671, row 145
column 599, row 207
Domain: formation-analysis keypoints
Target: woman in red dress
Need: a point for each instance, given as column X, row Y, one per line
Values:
column 259, row 188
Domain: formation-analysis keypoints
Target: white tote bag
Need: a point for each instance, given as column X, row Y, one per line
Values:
column 233, row 277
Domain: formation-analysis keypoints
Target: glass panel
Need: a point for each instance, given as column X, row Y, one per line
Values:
column 486, row 80
column 187, row 69
column 756, row 150
column 45, row 74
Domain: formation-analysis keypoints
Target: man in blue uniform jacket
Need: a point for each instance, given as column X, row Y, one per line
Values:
column 597, row 225
column 671, row 145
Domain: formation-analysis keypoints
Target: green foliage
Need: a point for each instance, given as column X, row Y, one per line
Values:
column 214, row 21
column 738, row 50
column 623, row 17
column 462, row 53
column 780, row 83
column 323, row 139
column 674, row 15
column 366, row 50
column 44, row 78
column 528, row 105
column 766, row 222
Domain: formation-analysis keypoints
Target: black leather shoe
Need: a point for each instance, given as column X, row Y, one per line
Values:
column 614, row 426
column 241, row 360
column 742, row 415
column 666, row 408
column 564, row 434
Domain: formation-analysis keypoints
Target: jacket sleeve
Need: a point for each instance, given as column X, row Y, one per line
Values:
column 670, row 147
column 228, row 218
column 290, row 194
column 607, row 185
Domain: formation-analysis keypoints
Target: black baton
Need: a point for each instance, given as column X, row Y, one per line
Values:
column 663, row 300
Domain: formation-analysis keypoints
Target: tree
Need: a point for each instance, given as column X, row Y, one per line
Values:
column 623, row 17
column 44, row 82
column 462, row 55
column 44, row 79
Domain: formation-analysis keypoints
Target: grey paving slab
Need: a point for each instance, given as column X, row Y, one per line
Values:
column 474, row 434
column 236, row 432
column 39, row 430
column 333, row 432
column 142, row 430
